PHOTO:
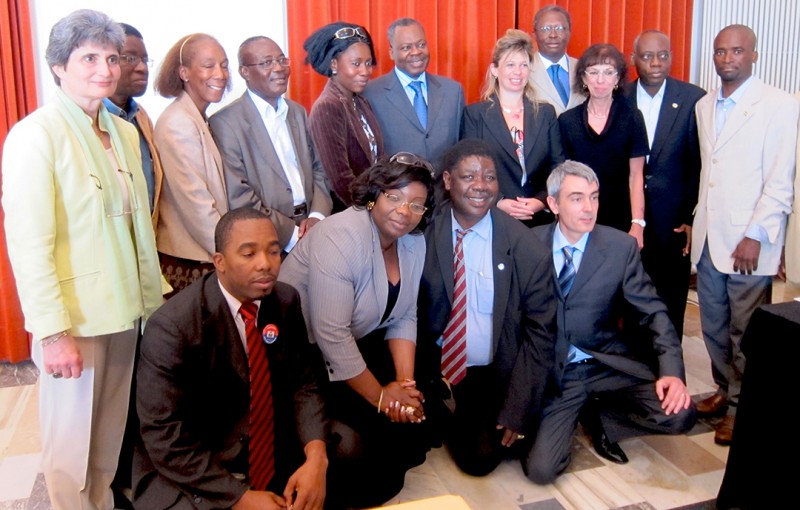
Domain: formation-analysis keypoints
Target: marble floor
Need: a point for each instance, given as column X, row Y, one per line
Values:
column 676, row 472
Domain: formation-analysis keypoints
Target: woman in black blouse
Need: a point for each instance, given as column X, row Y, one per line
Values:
column 607, row 133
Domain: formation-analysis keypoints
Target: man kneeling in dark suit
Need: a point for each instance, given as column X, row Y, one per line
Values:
column 228, row 403
column 622, row 387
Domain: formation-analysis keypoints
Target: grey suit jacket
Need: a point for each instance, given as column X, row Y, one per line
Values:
column 399, row 123
column 193, row 195
column 545, row 89
column 339, row 271
column 254, row 175
column 523, row 312
column 610, row 279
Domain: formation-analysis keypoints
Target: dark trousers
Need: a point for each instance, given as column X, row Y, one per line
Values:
column 670, row 271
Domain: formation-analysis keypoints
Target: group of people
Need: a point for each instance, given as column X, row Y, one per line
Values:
column 299, row 306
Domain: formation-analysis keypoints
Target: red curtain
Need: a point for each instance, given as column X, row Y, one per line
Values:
column 17, row 99
column 462, row 33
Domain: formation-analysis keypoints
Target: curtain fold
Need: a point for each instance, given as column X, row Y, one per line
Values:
column 17, row 99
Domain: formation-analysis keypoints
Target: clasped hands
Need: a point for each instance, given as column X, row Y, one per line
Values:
column 402, row 402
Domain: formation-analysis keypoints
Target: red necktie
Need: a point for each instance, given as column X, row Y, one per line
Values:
column 454, row 338
column 262, row 413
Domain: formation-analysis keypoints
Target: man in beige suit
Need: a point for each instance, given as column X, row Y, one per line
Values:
column 791, row 265
column 269, row 161
column 552, row 70
column 748, row 137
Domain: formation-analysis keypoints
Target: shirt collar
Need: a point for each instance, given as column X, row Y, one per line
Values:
column 406, row 79
column 263, row 107
column 641, row 93
column 233, row 303
column 483, row 228
column 128, row 113
column 559, row 240
column 563, row 61
column 737, row 94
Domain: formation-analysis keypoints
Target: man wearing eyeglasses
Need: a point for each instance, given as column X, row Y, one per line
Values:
column 553, row 71
column 418, row 112
column 134, row 66
column 671, row 171
column 269, row 161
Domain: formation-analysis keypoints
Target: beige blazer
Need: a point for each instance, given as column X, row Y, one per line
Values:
column 193, row 195
column 146, row 127
column 747, row 175
column 793, row 229
column 546, row 91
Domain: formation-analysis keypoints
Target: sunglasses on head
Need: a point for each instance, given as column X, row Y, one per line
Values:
column 410, row 159
column 348, row 32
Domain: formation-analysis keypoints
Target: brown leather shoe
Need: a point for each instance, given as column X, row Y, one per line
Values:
column 712, row 405
column 724, row 431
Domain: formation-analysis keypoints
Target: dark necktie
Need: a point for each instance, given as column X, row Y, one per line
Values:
column 557, row 76
column 262, row 412
column 454, row 338
column 419, row 103
column 566, row 277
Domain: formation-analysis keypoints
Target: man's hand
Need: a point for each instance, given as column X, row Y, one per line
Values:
column 63, row 358
column 782, row 265
column 259, row 500
column 306, row 487
column 305, row 226
column 509, row 436
column 673, row 395
column 745, row 256
column 687, row 229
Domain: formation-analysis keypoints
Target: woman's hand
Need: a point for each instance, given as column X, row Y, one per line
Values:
column 402, row 402
column 637, row 232
column 521, row 208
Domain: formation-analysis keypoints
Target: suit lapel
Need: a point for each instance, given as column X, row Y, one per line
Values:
column 499, row 129
column 258, row 132
column 398, row 98
column 502, row 265
column 435, row 99
column 297, row 144
column 219, row 326
column 443, row 244
column 592, row 261
column 741, row 113
column 670, row 107
column 543, row 81
column 532, row 129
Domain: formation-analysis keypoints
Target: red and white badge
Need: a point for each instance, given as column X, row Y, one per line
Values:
column 270, row 333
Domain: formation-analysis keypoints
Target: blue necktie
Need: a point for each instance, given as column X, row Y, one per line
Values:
column 566, row 277
column 561, row 80
column 419, row 103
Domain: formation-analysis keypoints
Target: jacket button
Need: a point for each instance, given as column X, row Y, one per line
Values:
column 330, row 370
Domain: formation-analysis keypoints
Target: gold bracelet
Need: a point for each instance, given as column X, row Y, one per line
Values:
column 53, row 339
column 380, row 400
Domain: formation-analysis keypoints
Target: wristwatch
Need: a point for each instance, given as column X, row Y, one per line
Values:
column 639, row 221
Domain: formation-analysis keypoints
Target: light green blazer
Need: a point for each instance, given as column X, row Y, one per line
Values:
column 77, row 263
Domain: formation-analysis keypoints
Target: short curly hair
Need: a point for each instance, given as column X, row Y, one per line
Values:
column 387, row 174
column 600, row 54
column 322, row 47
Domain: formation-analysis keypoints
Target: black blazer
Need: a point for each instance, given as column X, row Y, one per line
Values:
column 672, row 172
column 523, row 314
column 611, row 275
column 484, row 120
column 193, row 397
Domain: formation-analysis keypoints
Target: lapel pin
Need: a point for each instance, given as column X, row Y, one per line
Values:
column 501, row 266
column 269, row 334
column 674, row 105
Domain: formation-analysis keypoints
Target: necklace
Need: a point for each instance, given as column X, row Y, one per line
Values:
column 515, row 114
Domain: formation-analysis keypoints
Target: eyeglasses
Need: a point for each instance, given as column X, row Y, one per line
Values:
column 410, row 159
column 661, row 55
column 556, row 29
column 395, row 200
column 348, row 32
column 594, row 74
column 133, row 60
column 270, row 63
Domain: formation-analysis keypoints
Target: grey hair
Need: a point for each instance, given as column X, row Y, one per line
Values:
column 551, row 8
column 568, row 167
column 77, row 28
column 402, row 22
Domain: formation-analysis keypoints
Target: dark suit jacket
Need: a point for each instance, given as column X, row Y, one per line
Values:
column 399, row 123
column 523, row 313
column 339, row 137
column 254, row 176
column 543, row 150
column 193, row 397
column 672, row 173
column 610, row 275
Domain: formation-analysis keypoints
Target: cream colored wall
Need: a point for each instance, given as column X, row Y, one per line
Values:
column 162, row 22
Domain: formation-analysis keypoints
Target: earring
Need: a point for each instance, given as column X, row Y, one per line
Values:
column 585, row 86
column 616, row 86
column 370, row 205
column 333, row 72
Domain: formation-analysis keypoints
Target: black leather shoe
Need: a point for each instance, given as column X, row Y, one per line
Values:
column 609, row 450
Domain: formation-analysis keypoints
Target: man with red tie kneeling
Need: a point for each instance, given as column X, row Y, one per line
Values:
column 226, row 394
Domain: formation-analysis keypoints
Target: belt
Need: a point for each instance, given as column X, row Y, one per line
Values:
column 300, row 210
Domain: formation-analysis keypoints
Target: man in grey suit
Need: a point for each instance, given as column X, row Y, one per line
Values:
column 269, row 161
column 552, row 70
column 425, row 122
column 620, row 386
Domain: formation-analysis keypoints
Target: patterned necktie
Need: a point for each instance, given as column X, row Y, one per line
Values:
column 419, row 103
column 566, row 277
column 262, row 413
column 454, row 338
column 557, row 76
